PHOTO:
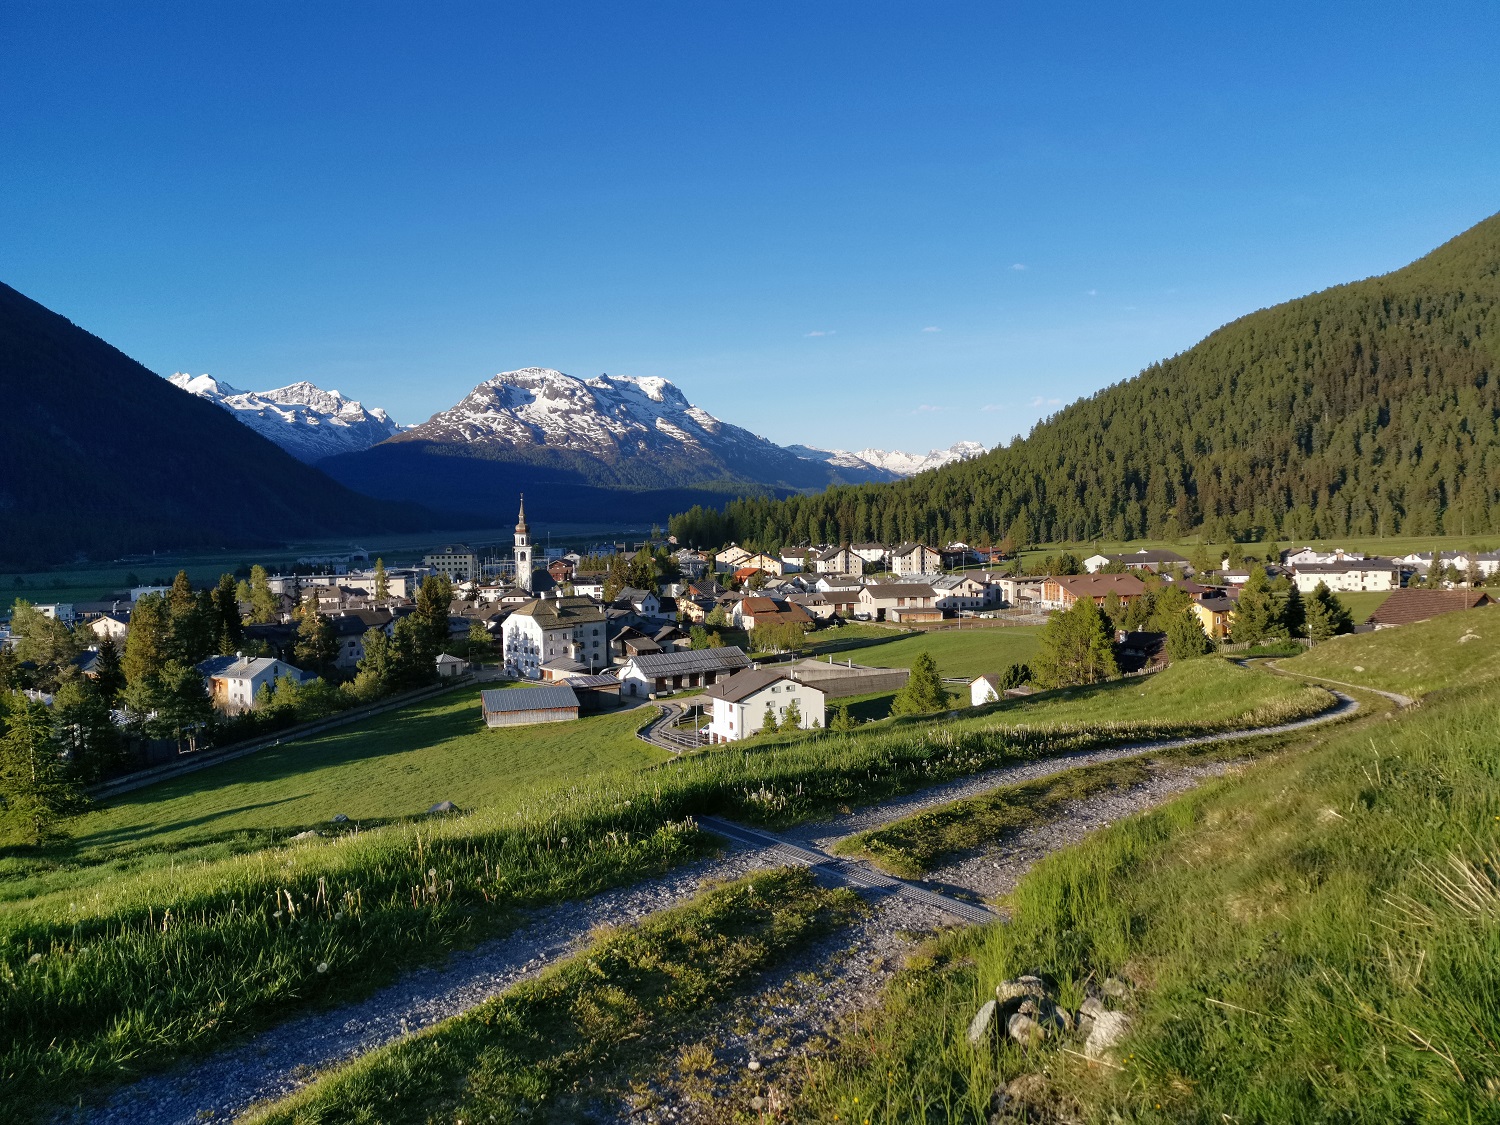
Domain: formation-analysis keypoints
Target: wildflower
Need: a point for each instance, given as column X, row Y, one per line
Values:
column 431, row 871
column 34, row 959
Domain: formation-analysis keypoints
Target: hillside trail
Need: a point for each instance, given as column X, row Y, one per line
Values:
column 278, row 1061
column 1401, row 701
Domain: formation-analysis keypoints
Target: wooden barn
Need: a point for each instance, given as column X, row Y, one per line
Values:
column 519, row 707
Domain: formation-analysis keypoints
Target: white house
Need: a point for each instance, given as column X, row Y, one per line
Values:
column 110, row 625
column 962, row 591
column 731, row 558
column 547, row 629
column 232, row 681
column 984, row 690
column 1348, row 576
column 879, row 599
column 1144, row 559
column 914, row 558
column 873, row 554
column 740, row 703
column 839, row 560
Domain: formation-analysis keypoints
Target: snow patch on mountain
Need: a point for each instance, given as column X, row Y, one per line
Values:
column 305, row 420
column 893, row 462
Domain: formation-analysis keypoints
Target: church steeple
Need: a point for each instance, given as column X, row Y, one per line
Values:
column 523, row 549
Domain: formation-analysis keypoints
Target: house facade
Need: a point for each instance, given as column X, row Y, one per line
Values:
column 741, row 703
column 915, row 558
column 1065, row 590
column 1348, row 575
column 839, row 560
column 233, row 681
column 547, row 629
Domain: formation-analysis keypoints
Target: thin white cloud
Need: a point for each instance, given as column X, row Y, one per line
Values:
column 932, row 328
column 1091, row 292
column 991, row 407
column 829, row 332
column 1018, row 265
column 1039, row 401
column 927, row 408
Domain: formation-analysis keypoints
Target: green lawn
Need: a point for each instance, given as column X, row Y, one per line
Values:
column 1361, row 605
column 391, row 766
column 966, row 652
column 1454, row 650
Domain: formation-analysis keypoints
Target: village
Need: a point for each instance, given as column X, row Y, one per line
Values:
column 620, row 625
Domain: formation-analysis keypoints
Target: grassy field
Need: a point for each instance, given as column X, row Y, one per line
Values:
column 1454, row 650
column 578, row 1033
column 967, row 652
column 391, row 766
column 108, row 976
column 1313, row 941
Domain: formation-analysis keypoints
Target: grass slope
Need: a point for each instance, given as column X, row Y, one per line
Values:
column 1315, row 941
column 1454, row 650
column 131, row 971
column 391, row 766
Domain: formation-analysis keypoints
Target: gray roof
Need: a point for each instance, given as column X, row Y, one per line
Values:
column 742, row 685
column 551, row 697
column 242, row 667
column 728, row 658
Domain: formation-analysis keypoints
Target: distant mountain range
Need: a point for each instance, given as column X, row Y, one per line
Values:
column 306, row 421
column 890, row 464
column 100, row 458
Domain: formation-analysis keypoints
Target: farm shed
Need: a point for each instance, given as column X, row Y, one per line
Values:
column 519, row 707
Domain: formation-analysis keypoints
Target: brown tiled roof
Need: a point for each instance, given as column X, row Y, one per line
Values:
column 1100, row 585
column 1406, row 606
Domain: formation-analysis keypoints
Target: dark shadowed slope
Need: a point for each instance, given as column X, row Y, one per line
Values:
column 100, row 457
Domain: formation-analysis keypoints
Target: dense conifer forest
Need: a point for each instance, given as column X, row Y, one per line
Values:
column 1366, row 409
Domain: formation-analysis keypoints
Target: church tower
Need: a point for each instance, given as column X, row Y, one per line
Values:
column 523, row 549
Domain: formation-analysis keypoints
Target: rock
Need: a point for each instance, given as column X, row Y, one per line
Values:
column 1009, row 993
column 1025, row 1030
column 308, row 835
column 979, row 1026
column 1088, row 1012
column 340, row 818
column 1029, row 1098
column 1115, row 988
column 443, row 807
column 1108, row 1029
column 753, row 1064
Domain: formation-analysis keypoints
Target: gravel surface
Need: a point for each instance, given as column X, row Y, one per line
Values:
column 797, row 1012
column 278, row 1061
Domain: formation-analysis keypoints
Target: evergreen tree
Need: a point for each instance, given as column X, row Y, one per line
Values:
column 616, row 577
column 36, row 785
column 382, row 582
column 1186, row 638
column 412, row 657
column 1076, row 648
column 317, row 645
column 480, row 644
column 1255, row 613
column 148, row 645
column 181, row 703
column 768, row 723
column 842, row 720
column 109, row 677
column 1014, row 676
column 265, row 606
column 791, row 718
column 1327, row 616
column 85, row 731
column 43, row 641
column 1286, row 608
column 434, row 598
column 923, row 691
column 229, row 625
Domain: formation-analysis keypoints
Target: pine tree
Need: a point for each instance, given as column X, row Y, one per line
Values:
column 36, row 784
column 229, row 625
column 791, row 718
column 923, row 691
column 842, row 720
column 148, row 644
column 1327, row 616
column 265, row 606
column 1076, row 648
column 1254, row 616
column 181, row 703
column 382, row 583
column 317, row 645
column 1186, row 638
column 84, row 728
column 768, row 722
column 616, row 577
column 1014, row 676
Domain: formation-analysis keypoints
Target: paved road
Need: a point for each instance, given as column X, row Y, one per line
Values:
column 273, row 1063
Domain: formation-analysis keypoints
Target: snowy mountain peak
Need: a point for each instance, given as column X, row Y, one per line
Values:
column 888, row 464
column 305, row 420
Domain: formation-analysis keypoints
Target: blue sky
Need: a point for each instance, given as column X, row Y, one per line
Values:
column 848, row 224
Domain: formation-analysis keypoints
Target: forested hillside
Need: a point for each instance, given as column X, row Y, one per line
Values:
column 100, row 457
column 1367, row 409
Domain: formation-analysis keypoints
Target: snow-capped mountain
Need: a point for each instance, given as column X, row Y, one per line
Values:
column 614, row 429
column 305, row 420
column 883, row 464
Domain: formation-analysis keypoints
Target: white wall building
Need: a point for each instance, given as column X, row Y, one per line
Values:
column 548, row 629
column 1349, row 576
column 233, row 681
column 740, row 703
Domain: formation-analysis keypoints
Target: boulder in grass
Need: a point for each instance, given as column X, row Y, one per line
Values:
column 1107, row 1030
column 308, row 835
column 979, row 1026
column 443, row 807
column 340, row 818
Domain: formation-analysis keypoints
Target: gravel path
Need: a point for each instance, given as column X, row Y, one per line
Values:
column 280, row 1060
column 757, row 1045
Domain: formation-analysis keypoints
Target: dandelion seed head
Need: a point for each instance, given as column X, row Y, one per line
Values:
column 322, row 966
